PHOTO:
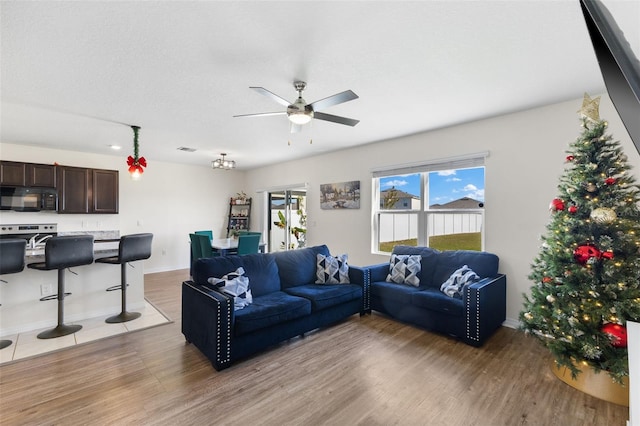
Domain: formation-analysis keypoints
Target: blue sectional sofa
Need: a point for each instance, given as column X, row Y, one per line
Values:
column 472, row 316
column 286, row 302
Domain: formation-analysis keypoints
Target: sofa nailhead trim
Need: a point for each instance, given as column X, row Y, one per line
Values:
column 468, row 315
column 366, row 299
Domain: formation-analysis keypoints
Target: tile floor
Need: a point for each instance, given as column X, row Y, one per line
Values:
column 27, row 344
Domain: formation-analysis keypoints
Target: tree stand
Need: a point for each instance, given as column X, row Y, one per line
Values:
column 600, row 385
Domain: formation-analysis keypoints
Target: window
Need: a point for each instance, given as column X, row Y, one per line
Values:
column 439, row 204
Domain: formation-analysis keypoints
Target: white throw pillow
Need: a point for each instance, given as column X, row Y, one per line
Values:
column 455, row 284
column 237, row 285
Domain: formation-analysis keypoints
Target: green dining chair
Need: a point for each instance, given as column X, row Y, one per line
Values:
column 245, row 232
column 208, row 233
column 196, row 251
column 248, row 243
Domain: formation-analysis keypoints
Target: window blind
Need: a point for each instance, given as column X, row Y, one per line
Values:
column 458, row 162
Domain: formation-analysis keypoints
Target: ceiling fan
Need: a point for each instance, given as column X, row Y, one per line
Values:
column 300, row 112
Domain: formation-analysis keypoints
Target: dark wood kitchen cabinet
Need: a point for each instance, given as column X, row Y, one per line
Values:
column 82, row 190
column 13, row 173
column 104, row 196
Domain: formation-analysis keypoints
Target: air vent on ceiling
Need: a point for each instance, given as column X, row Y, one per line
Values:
column 186, row 149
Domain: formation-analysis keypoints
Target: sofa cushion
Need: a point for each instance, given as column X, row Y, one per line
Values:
column 434, row 300
column 484, row 264
column 325, row 296
column 404, row 269
column 298, row 267
column 393, row 292
column 460, row 278
column 270, row 309
column 332, row 270
column 428, row 262
column 260, row 268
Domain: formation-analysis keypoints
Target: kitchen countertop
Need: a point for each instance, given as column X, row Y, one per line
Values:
column 107, row 236
column 37, row 255
column 105, row 245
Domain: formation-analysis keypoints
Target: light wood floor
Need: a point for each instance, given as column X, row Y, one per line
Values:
column 364, row 371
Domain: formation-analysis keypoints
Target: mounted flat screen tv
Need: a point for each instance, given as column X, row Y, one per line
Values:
column 619, row 66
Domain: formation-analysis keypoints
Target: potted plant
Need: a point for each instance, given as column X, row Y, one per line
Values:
column 241, row 198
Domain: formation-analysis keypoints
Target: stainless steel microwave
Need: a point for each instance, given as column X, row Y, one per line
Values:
column 28, row 199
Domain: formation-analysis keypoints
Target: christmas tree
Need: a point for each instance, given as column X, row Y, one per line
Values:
column 587, row 273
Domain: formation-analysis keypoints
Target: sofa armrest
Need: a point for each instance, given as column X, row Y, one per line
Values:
column 379, row 272
column 207, row 322
column 361, row 276
column 485, row 304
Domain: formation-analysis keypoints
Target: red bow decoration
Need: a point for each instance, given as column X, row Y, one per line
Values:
column 136, row 165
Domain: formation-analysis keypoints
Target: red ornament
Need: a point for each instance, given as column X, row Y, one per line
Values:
column 572, row 209
column 610, row 181
column 607, row 254
column 582, row 254
column 570, row 158
column 556, row 205
column 617, row 333
column 547, row 279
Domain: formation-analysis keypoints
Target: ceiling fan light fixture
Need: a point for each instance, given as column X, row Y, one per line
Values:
column 298, row 112
column 301, row 117
column 223, row 163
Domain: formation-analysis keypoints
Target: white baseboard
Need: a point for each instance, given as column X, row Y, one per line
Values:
column 511, row 323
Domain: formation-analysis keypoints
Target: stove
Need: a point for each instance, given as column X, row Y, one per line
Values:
column 33, row 233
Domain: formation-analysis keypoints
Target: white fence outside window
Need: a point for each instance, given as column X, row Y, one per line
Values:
column 404, row 226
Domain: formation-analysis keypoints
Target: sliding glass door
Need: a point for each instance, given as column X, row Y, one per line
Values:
column 287, row 219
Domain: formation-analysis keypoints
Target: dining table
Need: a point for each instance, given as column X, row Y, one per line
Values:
column 225, row 246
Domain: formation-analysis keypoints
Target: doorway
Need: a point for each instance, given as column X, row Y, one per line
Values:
column 287, row 219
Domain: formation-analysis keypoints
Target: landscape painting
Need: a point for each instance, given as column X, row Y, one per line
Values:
column 343, row 195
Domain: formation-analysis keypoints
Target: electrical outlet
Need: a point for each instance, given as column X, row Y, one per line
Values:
column 46, row 289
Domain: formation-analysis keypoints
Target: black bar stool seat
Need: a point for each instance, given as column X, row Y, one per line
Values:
column 61, row 253
column 12, row 251
column 131, row 248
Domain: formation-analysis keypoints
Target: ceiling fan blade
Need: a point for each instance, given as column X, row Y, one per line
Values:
column 336, row 99
column 335, row 119
column 278, row 99
column 261, row 114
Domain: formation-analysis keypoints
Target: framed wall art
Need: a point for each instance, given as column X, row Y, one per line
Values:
column 342, row 195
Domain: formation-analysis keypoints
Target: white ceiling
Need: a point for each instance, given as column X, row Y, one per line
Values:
column 74, row 75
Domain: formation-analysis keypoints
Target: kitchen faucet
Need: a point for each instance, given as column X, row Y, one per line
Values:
column 33, row 243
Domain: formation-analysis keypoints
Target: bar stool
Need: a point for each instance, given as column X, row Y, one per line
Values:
column 12, row 251
column 132, row 247
column 61, row 253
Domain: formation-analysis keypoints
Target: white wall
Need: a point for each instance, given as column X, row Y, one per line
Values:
column 170, row 201
column 527, row 155
column 527, row 152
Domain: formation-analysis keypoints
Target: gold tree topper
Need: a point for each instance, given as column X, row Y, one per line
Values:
column 590, row 108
